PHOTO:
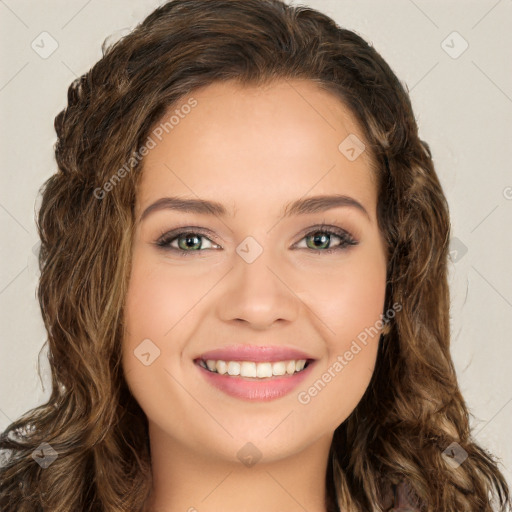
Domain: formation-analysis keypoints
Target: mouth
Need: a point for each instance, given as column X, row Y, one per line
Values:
column 254, row 370
column 254, row 373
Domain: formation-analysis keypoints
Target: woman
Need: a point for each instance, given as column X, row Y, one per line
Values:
column 243, row 280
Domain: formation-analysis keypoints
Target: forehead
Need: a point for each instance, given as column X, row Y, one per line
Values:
column 271, row 143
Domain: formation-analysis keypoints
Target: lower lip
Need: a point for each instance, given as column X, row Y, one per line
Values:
column 262, row 391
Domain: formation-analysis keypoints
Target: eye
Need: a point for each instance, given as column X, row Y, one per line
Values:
column 185, row 241
column 320, row 239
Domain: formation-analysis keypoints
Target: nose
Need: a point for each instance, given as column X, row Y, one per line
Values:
column 258, row 294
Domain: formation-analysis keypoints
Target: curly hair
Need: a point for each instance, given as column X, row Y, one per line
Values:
column 412, row 410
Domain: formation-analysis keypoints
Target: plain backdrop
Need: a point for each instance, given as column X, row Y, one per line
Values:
column 455, row 59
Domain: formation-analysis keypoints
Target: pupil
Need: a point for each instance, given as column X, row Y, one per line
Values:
column 321, row 239
column 188, row 243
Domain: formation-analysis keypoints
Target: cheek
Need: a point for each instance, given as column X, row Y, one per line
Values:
column 157, row 299
column 349, row 296
column 154, row 305
column 154, row 318
column 363, row 295
column 350, row 304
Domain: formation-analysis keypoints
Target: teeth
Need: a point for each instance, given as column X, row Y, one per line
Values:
column 252, row 369
column 279, row 368
column 233, row 368
column 263, row 370
column 248, row 369
column 221, row 367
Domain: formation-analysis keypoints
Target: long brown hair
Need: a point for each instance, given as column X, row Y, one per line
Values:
column 412, row 410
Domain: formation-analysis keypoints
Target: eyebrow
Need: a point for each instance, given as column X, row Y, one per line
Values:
column 303, row 206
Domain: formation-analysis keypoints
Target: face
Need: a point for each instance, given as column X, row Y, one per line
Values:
column 264, row 265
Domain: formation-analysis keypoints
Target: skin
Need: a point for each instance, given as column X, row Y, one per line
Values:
column 254, row 149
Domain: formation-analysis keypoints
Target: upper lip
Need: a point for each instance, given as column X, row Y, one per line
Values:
column 254, row 353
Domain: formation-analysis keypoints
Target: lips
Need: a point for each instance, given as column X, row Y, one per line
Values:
column 254, row 353
column 249, row 388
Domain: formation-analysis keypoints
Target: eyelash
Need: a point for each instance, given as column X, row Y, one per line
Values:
column 347, row 240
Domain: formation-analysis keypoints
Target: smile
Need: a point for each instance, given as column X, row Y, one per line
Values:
column 254, row 381
column 259, row 370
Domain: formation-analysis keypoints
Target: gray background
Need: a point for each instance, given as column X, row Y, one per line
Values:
column 463, row 103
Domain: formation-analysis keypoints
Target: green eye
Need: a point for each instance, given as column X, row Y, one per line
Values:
column 192, row 240
column 320, row 240
column 185, row 242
